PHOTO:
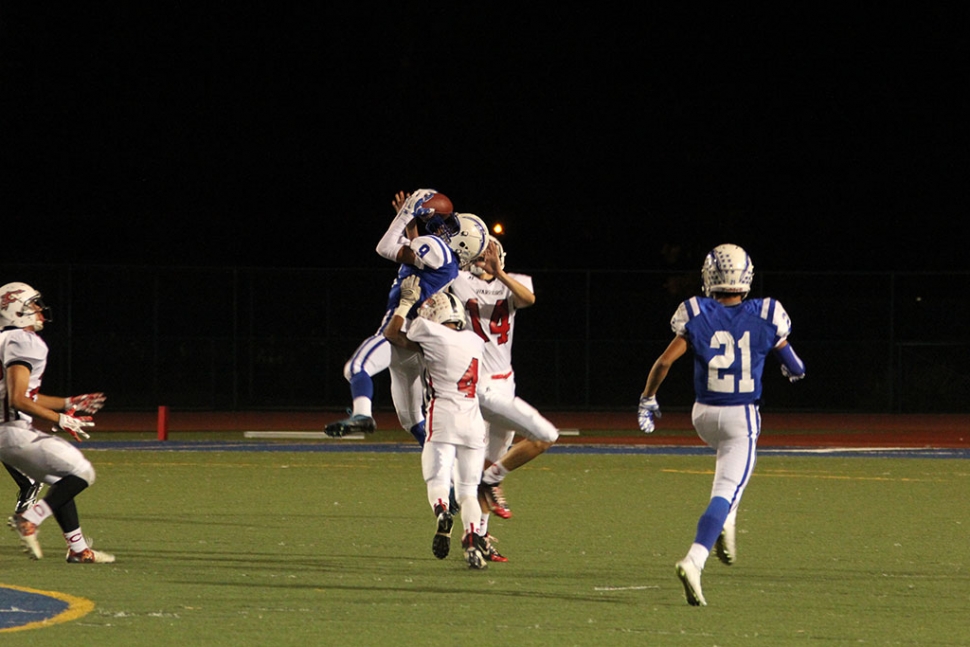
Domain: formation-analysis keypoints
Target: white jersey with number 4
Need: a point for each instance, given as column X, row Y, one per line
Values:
column 491, row 311
column 452, row 360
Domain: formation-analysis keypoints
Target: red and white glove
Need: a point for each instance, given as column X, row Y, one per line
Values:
column 87, row 403
column 74, row 425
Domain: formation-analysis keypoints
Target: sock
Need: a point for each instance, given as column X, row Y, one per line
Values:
column 711, row 523
column 75, row 540
column 483, row 526
column 37, row 512
column 494, row 474
column 698, row 554
column 418, row 432
column 361, row 386
column 362, row 407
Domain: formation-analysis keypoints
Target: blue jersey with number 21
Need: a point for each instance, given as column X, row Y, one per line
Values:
column 730, row 344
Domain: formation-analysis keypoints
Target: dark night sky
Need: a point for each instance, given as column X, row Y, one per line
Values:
column 248, row 134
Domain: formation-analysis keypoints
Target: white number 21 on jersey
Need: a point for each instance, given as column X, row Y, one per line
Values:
column 721, row 370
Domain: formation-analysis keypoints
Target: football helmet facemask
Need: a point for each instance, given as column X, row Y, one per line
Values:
column 443, row 307
column 470, row 240
column 21, row 306
column 728, row 269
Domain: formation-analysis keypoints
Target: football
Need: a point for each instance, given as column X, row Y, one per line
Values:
column 440, row 203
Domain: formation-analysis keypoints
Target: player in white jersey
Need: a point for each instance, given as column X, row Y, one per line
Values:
column 435, row 258
column 455, row 446
column 730, row 338
column 492, row 297
column 27, row 412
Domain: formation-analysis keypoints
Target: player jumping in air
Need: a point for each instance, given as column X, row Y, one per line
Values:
column 435, row 258
column 492, row 297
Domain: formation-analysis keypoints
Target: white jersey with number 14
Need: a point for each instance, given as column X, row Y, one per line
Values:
column 491, row 311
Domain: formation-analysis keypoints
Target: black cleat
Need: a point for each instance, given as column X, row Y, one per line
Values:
column 353, row 424
column 487, row 546
column 472, row 544
column 494, row 498
column 27, row 496
column 441, row 543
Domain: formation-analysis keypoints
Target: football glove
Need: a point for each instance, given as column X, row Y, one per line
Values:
column 74, row 425
column 87, row 403
column 791, row 376
column 648, row 411
column 413, row 205
column 410, row 290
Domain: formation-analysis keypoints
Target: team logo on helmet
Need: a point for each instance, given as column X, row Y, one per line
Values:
column 8, row 298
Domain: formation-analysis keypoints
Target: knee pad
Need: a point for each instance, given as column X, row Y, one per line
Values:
column 85, row 470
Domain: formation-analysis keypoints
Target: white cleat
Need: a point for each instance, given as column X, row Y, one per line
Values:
column 690, row 576
column 28, row 535
column 726, row 546
column 89, row 556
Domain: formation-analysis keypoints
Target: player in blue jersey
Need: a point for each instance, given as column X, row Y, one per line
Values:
column 730, row 338
column 435, row 257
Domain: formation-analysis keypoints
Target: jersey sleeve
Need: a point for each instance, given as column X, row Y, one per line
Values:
column 418, row 331
column 781, row 322
column 430, row 252
column 526, row 282
column 678, row 323
column 25, row 348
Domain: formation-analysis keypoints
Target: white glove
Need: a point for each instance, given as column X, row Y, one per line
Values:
column 649, row 409
column 413, row 205
column 74, row 425
column 410, row 290
column 789, row 375
column 87, row 403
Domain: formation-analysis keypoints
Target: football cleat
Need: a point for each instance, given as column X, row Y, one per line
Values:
column 472, row 544
column 28, row 535
column 493, row 497
column 27, row 496
column 441, row 544
column 487, row 546
column 690, row 577
column 726, row 546
column 354, row 423
column 89, row 556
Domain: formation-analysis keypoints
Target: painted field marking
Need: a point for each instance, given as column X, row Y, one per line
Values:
column 309, row 435
column 19, row 606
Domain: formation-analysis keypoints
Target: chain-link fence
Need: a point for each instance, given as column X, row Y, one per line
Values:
column 250, row 339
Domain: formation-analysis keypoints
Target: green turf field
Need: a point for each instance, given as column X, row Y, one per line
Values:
column 259, row 548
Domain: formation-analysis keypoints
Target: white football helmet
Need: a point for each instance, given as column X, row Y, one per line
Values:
column 471, row 239
column 443, row 307
column 727, row 268
column 21, row 306
column 477, row 270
